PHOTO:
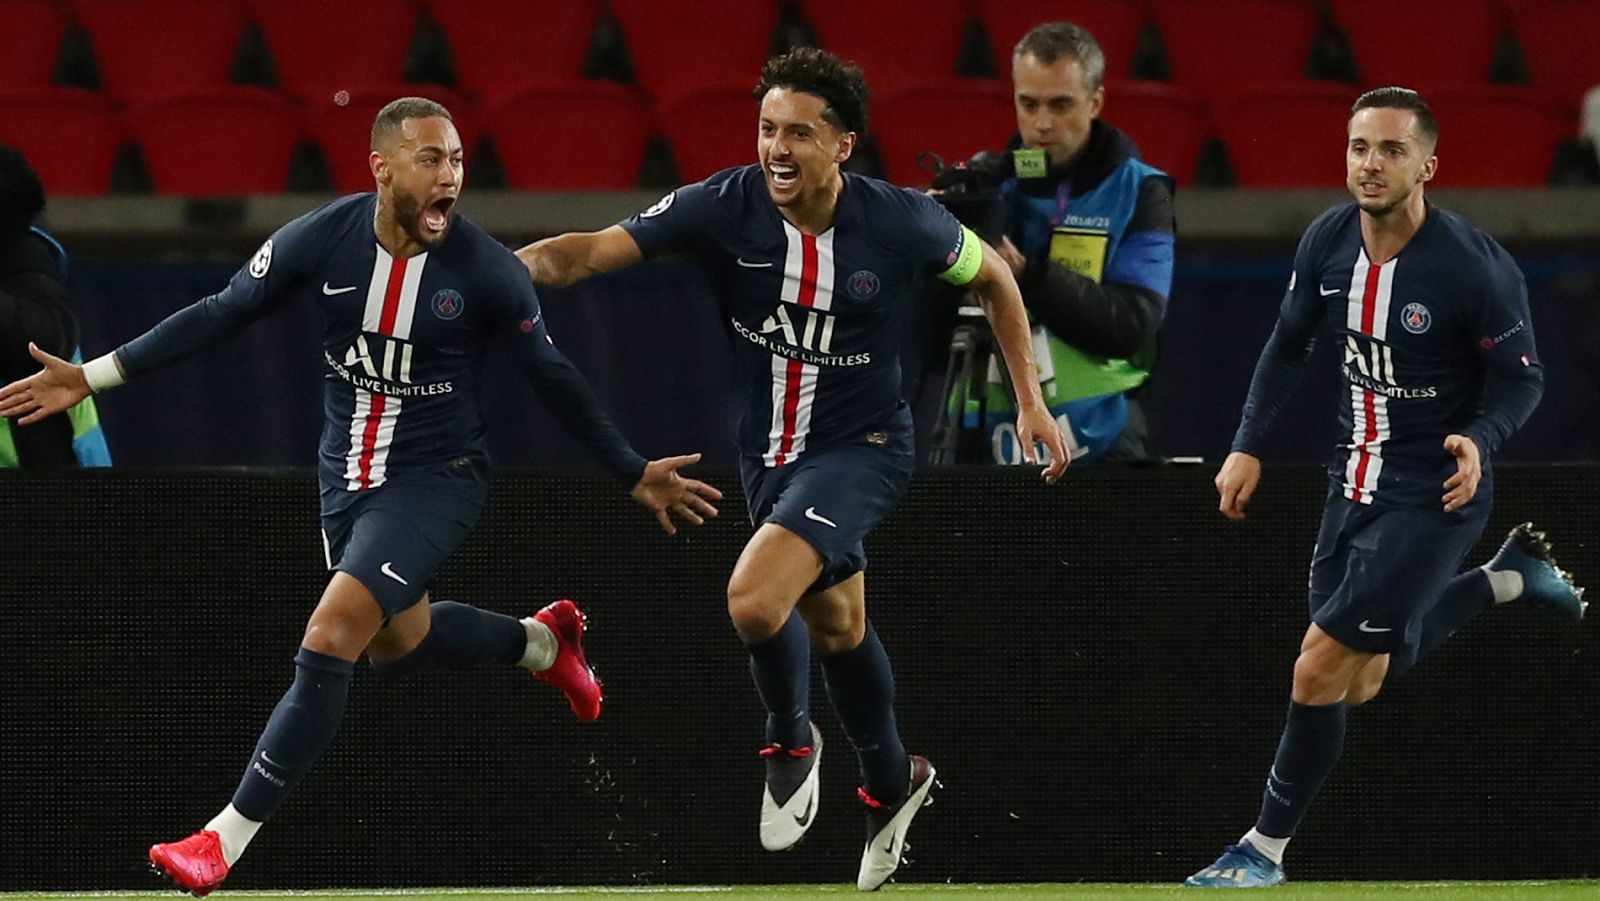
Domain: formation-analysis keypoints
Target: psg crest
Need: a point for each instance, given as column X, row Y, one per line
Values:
column 863, row 285
column 1416, row 318
column 447, row 304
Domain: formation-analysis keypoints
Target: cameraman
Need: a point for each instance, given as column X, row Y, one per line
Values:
column 34, row 309
column 1089, row 235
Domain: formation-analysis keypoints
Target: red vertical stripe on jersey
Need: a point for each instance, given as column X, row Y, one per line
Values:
column 791, row 379
column 391, row 310
column 1369, row 306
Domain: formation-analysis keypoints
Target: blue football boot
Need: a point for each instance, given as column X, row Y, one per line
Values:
column 1240, row 866
column 1545, row 586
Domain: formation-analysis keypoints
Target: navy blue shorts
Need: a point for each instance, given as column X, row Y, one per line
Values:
column 1377, row 571
column 394, row 537
column 832, row 498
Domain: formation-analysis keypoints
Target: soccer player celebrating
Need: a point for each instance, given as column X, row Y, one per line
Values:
column 814, row 269
column 409, row 296
column 1438, row 355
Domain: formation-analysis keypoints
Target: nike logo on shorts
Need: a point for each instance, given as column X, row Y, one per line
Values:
column 1366, row 628
column 753, row 265
column 388, row 569
column 814, row 516
column 331, row 290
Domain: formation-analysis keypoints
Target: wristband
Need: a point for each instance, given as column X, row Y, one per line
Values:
column 102, row 372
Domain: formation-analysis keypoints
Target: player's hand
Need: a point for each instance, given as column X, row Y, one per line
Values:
column 664, row 490
column 1036, row 425
column 1463, row 486
column 56, row 387
column 1236, row 481
column 1013, row 257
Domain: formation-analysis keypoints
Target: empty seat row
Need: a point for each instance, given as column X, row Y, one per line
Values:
column 586, row 135
column 148, row 47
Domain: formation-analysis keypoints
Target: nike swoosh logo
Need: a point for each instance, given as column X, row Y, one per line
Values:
column 804, row 819
column 387, row 570
column 811, row 514
column 1366, row 628
column 269, row 759
column 331, row 290
column 1327, row 292
column 749, row 265
column 1279, row 779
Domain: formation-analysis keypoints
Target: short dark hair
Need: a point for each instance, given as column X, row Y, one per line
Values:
column 1054, row 40
column 396, row 111
column 21, row 193
column 838, row 82
column 1402, row 99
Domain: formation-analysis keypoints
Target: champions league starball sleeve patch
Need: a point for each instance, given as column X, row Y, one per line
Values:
column 965, row 260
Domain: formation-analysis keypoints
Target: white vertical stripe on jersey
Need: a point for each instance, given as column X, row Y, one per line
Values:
column 372, row 314
column 1358, row 422
column 1358, row 290
column 780, row 372
column 358, row 426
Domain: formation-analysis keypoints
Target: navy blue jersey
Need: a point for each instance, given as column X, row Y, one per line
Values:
column 816, row 320
column 403, row 342
column 1436, row 341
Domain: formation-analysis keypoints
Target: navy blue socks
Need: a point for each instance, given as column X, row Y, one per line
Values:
column 300, row 727
column 781, row 666
column 1313, row 738
column 861, row 687
column 461, row 635
column 1467, row 596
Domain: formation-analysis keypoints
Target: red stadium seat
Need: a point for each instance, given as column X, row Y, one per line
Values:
column 320, row 48
column 674, row 52
column 1171, row 125
column 1383, row 34
column 711, row 129
column 1287, row 135
column 497, row 44
column 69, row 135
column 897, row 43
column 1220, row 47
column 156, row 47
column 583, row 135
column 1115, row 24
column 29, row 42
column 1493, row 137
column 1557, row 38
column 344, row 131
column 224, row 141
column 954, row 119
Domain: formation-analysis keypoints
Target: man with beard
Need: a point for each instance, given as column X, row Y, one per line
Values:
column 1431, row 316
column 409, row 300
column 815, row 270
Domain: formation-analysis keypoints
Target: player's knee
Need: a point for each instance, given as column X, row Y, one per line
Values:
column 1318, row 678
column 336, row 636
column 754, row 616
column 837, row 632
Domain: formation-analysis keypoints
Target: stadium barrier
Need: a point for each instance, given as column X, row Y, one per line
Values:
column 1099, row 670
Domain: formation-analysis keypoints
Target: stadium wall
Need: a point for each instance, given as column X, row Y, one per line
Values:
column 652, row 341
column 1099, row 670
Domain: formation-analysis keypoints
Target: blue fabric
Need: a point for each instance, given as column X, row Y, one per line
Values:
column 861, row 687
column 1313, row 739
column 461, row 635
column 300, row 728
column 781, row 667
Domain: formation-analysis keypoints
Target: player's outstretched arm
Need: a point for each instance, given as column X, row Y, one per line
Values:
column 572, row 257
column 668, row 493
column 1236, row 482
column 58, row 386
column 1002, row 304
